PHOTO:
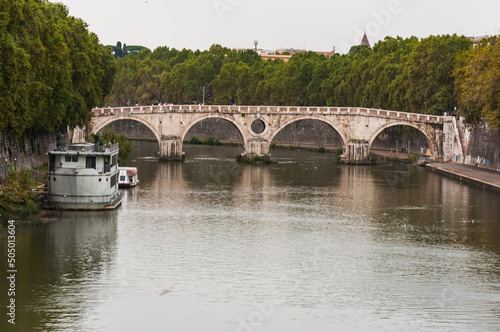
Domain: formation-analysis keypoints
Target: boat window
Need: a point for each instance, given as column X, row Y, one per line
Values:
column 112, row 183
column 90, row 162
column 115, row 160
column 70, row 159
column 122, row 178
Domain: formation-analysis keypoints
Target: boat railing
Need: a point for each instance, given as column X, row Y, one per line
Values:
column 112, row 148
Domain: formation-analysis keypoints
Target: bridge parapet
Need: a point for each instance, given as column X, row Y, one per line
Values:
column 109, row 111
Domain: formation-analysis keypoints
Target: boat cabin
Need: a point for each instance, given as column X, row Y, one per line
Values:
column 128, row 177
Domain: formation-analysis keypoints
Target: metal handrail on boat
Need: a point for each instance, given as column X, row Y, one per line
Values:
column 112, row 148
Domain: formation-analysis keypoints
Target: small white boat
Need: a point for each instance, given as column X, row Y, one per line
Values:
column 128, row 177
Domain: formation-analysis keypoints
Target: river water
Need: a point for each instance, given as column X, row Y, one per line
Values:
column 300, row 245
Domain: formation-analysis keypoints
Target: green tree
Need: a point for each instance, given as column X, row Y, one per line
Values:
column 429, row 69
column 111, row 136
column 118, row 50
column 402, row 74
column 52, row 69
column 224, row 86
column 17, row 199
column 477, row 83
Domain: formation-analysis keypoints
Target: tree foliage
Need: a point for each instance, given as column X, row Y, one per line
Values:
column 52, row 69
column 125, row 147
column 402, row 74
column 17, row 199
column 477, row 83
column 122, row 51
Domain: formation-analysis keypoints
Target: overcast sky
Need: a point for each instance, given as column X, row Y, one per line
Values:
column 315, row 25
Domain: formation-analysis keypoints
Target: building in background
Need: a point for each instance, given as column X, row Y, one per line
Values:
column 365, row 41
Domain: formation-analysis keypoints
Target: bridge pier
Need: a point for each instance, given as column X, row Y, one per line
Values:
column 257, row 148
column 171, row 149
column 358, row 153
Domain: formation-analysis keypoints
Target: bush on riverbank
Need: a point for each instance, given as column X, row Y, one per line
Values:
column 253, row 159
column 194, row 140
column 17, row 200
column 207, row 141
column 211, row 141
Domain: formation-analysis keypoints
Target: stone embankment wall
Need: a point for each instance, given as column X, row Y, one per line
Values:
column 29, row 152
column 452, row 142
column 483, row 147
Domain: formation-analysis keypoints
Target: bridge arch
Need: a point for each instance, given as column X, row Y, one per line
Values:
column 211, row 116
column 99, row 125
column 334, row 126
column 430, row 139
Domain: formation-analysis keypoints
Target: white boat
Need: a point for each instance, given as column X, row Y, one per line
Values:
column 83, row 177
column 128, row 177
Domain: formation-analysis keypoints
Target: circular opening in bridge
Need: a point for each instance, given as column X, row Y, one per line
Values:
column 258, row 126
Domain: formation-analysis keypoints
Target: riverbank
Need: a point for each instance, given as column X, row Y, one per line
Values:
column 481, row 177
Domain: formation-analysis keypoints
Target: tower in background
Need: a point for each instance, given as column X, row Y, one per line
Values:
column 365, row 41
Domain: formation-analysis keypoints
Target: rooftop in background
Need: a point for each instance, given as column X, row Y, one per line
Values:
column 286, row 54
column 477, row 40
column 268, row 56
column 290, row 51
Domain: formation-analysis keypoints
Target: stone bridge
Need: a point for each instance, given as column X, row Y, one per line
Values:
column 258, row 125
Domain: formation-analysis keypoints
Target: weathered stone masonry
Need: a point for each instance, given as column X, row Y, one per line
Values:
column 483, row 148
column 357, row 128
column 28, row 152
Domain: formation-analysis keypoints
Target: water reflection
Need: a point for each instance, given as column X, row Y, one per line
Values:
column 307, row 244
column 58, row 261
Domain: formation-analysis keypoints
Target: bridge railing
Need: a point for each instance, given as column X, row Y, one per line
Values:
column 264, row 110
